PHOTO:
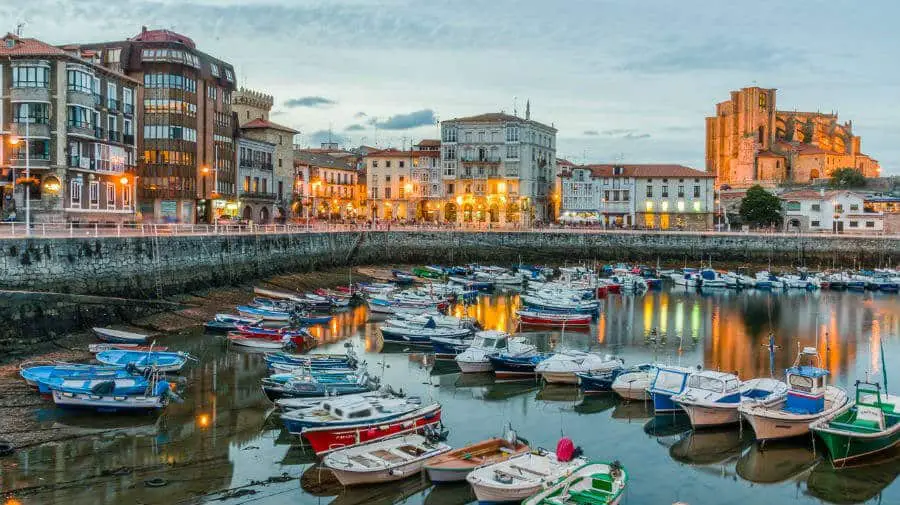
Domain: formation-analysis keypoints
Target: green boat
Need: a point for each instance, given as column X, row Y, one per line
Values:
column 427, row 273
column 863, row 428
column 590, row 484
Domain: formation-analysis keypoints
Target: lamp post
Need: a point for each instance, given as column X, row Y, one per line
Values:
column 215, row 189
column 15, row 141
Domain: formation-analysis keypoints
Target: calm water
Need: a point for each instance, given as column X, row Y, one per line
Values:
column 222, row 445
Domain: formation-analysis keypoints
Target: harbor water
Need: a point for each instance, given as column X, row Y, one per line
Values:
column 224, row 445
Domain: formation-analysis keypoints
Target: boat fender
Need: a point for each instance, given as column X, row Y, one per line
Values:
column 162, row 387
column 395, row 472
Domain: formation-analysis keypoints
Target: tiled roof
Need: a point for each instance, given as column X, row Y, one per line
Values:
column 562, row 162
column 395, row 153
column 163, row 36
column 768, row 154
column 429, row 143
column 497, row 117
column 262, row 123
column 811, row 194
column 648, row 170
column 27, row 47
column 318, row 159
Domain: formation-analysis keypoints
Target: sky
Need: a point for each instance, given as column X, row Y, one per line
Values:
column 628, row 80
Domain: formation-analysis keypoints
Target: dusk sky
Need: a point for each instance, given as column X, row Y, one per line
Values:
column 620, row 79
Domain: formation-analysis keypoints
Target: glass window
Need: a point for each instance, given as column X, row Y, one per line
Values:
column 30, row 76
column 75, row 192
column 214, row 69
column 78, row 80
column 38, row 113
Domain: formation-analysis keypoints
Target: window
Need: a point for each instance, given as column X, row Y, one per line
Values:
column 229, row 75
column 211, row 92
column 280, row 189
column 256, row 184
column 854, row 206
column 512, row 134
column 792, row 206
column 815, row 207
column 128, row 100
column 402, row 164
column 279, row 162
column 854, row 224
column 94, row 194
column 649, row 190
column 35, row 113
column 80, row 117
column 30, row 76
column 387, row 164
column 387, row 192
column 111, row 102
column 374, row 163
column 839, row 208
column 625, row 195
column 75, row 192
column 696, row 191
column 606, row 196
column 870, row 224
column 214, row 69
column 814, row 224
column 126, row 196
column 615, row 195
column 127, row 128
column 110, row 195
column 665, row 191
column 247, row 184
column 681, row 191
column 450, row 188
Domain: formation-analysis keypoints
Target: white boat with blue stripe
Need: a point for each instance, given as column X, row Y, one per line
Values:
column 712, row 398
column 668, row 381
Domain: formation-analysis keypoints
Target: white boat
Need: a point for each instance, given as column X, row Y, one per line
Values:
column 488, row 342
column 594, row 483
column 520, row 476
column 665, row 382
column 769, row 279
column 633, row 384
column 420, row 336
column 630, row 283
column 686, row 277
column 424, row 320
column 562, row 367
column 119, row 336
column 795, row 281
column 301, row 404
column 808, row 399
column 712, row 398
column 709, row 278
column 254, row 342
column 384, row 460
column 350, row 409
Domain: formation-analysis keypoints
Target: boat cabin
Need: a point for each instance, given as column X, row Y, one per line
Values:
column 670, row 380
column 806, row 389
column 725, row 384
column 490, row 339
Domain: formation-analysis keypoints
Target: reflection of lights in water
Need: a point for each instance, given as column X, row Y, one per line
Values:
column 601, row 328
column 203, row 420
column 648, row 314
column 695, row 320
column 876, row 347
column 679, row 318
column 663, row 313
column 12, row 501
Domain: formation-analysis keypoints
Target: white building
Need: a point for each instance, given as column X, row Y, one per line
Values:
column 829, row 211
column 497, row 168
column 643, row 196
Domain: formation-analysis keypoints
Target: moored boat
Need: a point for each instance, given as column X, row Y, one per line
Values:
column 45, row 377
column 347, row 410
column 593, row 483
column 632, row 383
column 120, row 337
column 510, row 367
column 455, row 465
column 712, row 398
column 665, row 382
column 553, row 319
column 265, row 314
column 475, row 359
column 161, row 361
column 395, row 458
column 562, row 367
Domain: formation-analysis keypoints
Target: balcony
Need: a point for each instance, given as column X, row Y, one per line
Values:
column 83, row 128
column 35, row 129
column 114, row 136
column 258, row 195
column 128, row 139
column 128, row 109
column 100, row 133
column 260, row 165
column 82, row 162
column 484, row 160
column 112, row 105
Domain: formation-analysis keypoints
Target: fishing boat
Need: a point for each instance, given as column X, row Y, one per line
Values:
column 280, row 295
column 808, row 399
column 455, row 465
column 161, row 361
column 471, row 283
column 264, row 314
column 327, row 439
column 591, row 383
column 103, row 397
column 423, row 319
column 95, row 348
column 308, row 404
column 711, row 279
column 347, row 410
column 265, row 344
column 475, row 359
column 309, row 386
column 119, row 336
column 347, row 360
column 667, row 381
column 560, row 305
column 553, row 319
column 44, row 377
column 632, row 383
column 420, row 336
column 395, row 458
column 521, row 476
column 270, row 333
column 429, row 272
column 863, row 428
column 562, row 367
column 229, row 322
column 449, row 348
column 712, row 398
column 508, row 367
column 593, row 483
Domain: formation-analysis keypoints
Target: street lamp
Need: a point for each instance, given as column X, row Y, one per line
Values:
column 27, row 140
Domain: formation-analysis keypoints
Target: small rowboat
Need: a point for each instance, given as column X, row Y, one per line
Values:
column 265, row 314
column 254, row 342
column 455, row 465
column 591, row 484
column 120, row 337
column 384, row 460
column 161, row 361
column 553, row 319
column 95, row 348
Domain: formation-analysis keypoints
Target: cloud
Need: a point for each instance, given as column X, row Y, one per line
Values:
column 277, row 113
column 309, row 101
column 591, row 133
column 636, row 136
column 424, row 117
column 319, row 137
column 360, row 115
column 710, row 55
column 616, row 132
column 355, row 128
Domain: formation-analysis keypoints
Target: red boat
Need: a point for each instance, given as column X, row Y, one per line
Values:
column 612, row 287
column 553, row 318
column 324, row 440
column 272, row 333
column 602, row 291
column 300, row 340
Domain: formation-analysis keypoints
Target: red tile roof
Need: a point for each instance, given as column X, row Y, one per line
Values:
column 163, row 36
column 648, row 170
column 395, row 153
column 562, row 162
column 27, row 47
column 262, row 123
column 768, row 154
column 429, row 143
column 497, row 117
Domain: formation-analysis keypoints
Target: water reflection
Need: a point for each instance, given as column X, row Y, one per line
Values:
column 223, row 435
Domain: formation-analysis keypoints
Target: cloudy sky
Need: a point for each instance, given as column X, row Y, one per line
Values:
column 620, row 79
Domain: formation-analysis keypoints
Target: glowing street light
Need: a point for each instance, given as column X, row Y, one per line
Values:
column 15, row 141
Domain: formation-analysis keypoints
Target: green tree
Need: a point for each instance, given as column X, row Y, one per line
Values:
column 847, row 178
column 760, row 208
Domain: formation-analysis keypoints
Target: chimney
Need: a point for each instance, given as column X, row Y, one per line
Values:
column 144, row 29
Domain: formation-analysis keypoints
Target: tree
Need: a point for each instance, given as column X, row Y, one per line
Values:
column 847, row 178
column 760, row 208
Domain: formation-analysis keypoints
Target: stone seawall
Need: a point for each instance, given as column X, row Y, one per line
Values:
column 144, row 267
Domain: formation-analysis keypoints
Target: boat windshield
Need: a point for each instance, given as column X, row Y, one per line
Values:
column 489, row 343
column 706, row 383
column 801, row 383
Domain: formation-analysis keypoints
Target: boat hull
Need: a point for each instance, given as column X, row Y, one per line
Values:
column 560, row 377
column 446, row 475
column 707, row 416
column 489, row 494
column 662, row 403
column 325, row 440
column 845, row 448
column 773, row 428
column 102, row 403
column 475, row 366
column 348, row 478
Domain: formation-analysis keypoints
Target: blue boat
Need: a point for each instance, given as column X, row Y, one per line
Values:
column 666, row 382
column 449, row 348
column 309, row 387
column 601, row 382
column 507, row 367
column 143, row 360
column 48, row 377
column 265, row 314
column 312, row 318
column 322, row 376
column 104, row 398
column 312, row 360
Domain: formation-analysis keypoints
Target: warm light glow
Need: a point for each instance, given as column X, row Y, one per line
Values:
column 459, row 200
column 51, row 186
column 205, row 170
column 649, row 206
column 124, row 180
column 696, row 206
column 203, row 420
column 409, row 187
column 680, row 205
column 14, row 141
column 12, row 501
column 501, row 188
column 665, row 206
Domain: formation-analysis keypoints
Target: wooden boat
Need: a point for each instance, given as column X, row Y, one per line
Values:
column 325, row 440
column 868, row 426
column 712, row 398
column 119, row 336
column 632, row 384
column 307, row 404
column 279, row 295
column 108, row 400
column 449, row 348
column 455, row 465
column 395, row 458
column 808, row 399
column 520, row 477
column 476, row 359
column 348, row 410
column 562, row 367
column 162, row 361
column 95, row 348
column 553, row 319
column 591, row 484
column 428, row 272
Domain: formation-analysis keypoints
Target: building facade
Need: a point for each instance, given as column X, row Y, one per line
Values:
column 830, row 211
column 186, row 168
column 392, row 190
column 749, row 141
column 257, row 199
column 70, row 123
column 497, row 168
column 641, row 196
column 252, row 110
column 326, row 185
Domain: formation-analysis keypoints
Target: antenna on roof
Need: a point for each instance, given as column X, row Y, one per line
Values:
column 515, row 105
column 19, row 27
